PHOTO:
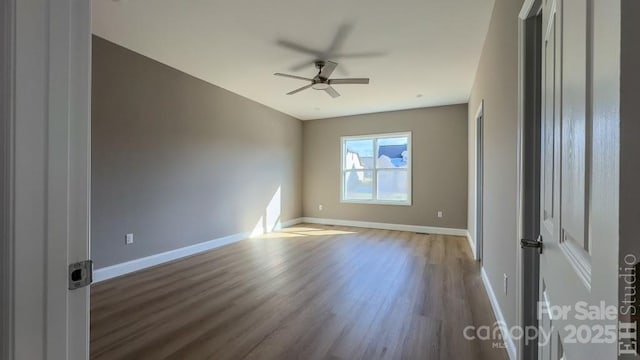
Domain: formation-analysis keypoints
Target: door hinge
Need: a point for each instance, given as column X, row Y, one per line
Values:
column 537, row 244
column 80, row 274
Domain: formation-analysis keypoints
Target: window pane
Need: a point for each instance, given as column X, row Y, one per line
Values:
column 393, row 185
column 358, row 185
column 392, row 153
column 358, row 154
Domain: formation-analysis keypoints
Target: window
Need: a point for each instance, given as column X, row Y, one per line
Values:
column 376, row 169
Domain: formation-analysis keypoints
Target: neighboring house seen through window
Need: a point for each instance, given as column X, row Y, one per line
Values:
column 376, row 169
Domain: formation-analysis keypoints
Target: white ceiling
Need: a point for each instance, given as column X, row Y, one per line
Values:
column 430, row 47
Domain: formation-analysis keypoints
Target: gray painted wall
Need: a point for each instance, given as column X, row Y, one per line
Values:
column 497, row 83
column 439, row 145
column 178, row 161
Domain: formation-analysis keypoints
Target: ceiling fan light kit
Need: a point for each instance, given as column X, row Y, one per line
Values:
column 322, row 80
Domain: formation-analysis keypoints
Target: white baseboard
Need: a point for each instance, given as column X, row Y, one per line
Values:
column 112, row 271
column 386, row 226
column 506, row 334
column 472, row 245
column 289, row 223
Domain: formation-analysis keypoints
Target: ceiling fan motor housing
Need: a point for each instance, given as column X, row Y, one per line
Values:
column 320, row 85
column 321, row 81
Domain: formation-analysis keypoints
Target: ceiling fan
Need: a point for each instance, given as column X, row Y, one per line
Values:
column 322, row 80
column 331, row 52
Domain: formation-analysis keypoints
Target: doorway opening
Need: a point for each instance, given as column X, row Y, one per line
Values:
column 531, row 155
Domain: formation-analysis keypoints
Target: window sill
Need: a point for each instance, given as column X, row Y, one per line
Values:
column 376, row 202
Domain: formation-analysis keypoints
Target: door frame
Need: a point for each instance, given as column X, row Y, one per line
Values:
column 6, row 128
column 45, row 169
column 479, row 181
column 529, row 9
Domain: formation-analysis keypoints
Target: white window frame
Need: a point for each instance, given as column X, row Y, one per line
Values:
column 375, row 137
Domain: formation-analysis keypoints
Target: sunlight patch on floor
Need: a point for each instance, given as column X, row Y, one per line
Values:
column 301, row 231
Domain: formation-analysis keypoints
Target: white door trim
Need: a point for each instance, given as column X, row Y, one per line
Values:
column 48, row 178
column 528, row 10
column 479, row 182
column 520, row 187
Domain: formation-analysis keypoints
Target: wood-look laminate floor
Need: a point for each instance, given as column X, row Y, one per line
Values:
column 308, row 292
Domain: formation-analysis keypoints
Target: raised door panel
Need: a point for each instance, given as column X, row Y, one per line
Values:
column 575, row 104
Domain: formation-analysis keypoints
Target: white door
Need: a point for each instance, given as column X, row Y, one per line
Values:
column 579, row 261
column 50, row 177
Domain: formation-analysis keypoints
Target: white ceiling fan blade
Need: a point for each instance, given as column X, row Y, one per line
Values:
column 359, row 55
column 327, row 69
column 349, row 81
column 331, row 91
column 293, row 76
column 302, row 65
column 300, row 89
column 299, row 48
column 339, row 38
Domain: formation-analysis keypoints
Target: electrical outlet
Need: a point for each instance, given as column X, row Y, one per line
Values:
column 440, row 213
column 506, row 280
column 128, row 239
column 320, row 207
